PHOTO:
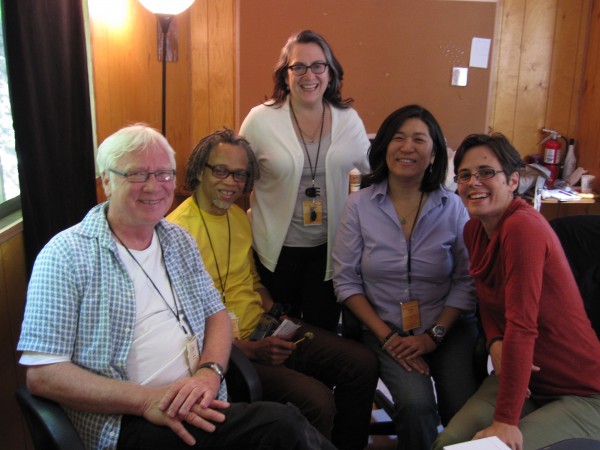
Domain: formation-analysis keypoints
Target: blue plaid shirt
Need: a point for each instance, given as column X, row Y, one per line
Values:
column 81, row 302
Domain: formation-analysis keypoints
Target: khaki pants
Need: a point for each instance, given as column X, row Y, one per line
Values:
column 543, row 421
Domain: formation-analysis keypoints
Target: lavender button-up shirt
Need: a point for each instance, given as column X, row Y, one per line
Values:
column 370, row 256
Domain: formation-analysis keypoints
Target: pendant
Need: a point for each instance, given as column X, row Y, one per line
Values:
column 402, row 220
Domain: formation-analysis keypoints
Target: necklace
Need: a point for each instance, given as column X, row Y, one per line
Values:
column 404, row 218
column 310, row 137
column 310, row 192
column 222, row 282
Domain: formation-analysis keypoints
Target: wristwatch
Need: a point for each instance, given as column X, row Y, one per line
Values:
column 436, row 333
column 216, row 367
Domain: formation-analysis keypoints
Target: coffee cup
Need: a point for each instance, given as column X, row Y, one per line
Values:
column 586, row 183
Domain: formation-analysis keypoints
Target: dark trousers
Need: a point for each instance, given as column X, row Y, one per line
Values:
column 298, row 280
column 417, row 410
column 332, row 381
column 254, row 426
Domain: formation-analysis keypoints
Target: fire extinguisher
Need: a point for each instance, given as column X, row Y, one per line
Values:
column 552, row 154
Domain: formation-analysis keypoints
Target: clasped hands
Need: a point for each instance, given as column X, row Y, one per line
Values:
column 408, row 351
column 191, row 399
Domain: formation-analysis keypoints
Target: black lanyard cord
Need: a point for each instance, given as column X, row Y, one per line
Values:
column 408, row 263
column 222, row 282
column 177, row 313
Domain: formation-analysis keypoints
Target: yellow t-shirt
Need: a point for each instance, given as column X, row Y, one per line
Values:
column 239, row 276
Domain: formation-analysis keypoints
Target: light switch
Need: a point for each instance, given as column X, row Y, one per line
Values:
column 459, row 76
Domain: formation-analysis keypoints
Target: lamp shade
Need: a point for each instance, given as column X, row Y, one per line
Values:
column 166, row 7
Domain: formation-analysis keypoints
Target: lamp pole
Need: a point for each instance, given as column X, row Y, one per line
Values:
column 165, row 10
column 165, row 22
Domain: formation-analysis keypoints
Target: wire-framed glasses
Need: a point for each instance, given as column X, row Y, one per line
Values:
column 316, row 68
column 141, row 176
column 483, row 174
column 222, row 172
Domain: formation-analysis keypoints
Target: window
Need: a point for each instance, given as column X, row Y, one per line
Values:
column 9, row 175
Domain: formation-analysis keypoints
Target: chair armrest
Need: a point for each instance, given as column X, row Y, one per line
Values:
column 49, row 425
column 243, row 384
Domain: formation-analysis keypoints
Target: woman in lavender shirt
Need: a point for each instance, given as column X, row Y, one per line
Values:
column 401, row 266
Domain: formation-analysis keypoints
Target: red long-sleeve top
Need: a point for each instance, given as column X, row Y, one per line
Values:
column 529, row 299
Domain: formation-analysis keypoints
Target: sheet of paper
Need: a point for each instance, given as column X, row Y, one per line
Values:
column 480, row 52
column 490, row 443
column 286, row 328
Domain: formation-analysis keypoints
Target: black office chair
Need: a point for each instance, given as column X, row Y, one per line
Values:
column 574, row 444
column 243, row 384
column 580, row 238
column 51, row 429
column 48, row 424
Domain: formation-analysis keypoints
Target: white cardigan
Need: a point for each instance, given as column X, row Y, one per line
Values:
column 271, row 134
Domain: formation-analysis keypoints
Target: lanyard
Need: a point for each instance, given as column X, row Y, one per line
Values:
column 177, row 313
column 222, row 282
column 313, row 172
column 408, row 263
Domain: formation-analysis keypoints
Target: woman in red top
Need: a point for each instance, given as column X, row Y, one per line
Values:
column 546, row 357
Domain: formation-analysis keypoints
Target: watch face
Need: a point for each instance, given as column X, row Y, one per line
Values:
column 439, row 331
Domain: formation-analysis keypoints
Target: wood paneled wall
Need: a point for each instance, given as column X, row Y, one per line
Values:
column 539, row 58
column 200, row 85
column 589, row 124
column 540, row 51
column 13, row 285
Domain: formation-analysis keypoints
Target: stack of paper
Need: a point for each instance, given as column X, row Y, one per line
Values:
column 490, row 443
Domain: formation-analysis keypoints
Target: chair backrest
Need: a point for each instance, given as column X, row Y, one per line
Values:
column 574, row 444
column 243, row 384
column 49, row 425
column 580, row 238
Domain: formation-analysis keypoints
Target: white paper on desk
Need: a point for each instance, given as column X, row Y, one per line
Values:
column 489, row 443
column 286, row 328
column 563, row 196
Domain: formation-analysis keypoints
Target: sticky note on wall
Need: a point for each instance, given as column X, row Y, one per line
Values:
column 459, row 76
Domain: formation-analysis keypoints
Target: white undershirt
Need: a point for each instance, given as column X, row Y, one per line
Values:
column 157, row 356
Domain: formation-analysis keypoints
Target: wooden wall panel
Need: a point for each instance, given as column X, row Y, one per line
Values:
column 13, row 279
column 538, row 77
column 128, row 75
column 588, row 148
column 213, row 66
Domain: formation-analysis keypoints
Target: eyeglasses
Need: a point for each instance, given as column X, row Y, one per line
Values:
column 483, row 174
column 222, row 172
column 316, row 68
column 141, row 176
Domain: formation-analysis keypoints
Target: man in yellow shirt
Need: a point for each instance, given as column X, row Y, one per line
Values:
column 220, row 170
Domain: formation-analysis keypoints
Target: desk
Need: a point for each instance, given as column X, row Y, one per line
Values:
column 552, row 208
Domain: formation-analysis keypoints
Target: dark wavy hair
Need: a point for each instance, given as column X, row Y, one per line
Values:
column 205, row 147
column 432, row 179
column 507, row 155
column 332, row 94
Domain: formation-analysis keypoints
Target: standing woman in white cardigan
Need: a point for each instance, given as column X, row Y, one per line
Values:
column 307, row 139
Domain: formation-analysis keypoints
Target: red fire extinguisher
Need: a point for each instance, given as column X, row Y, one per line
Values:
column 552, row 154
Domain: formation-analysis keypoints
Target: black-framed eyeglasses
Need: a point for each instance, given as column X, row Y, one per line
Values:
column 222, row 172
column 141, row 176
column 316, row 68
column 483, row 174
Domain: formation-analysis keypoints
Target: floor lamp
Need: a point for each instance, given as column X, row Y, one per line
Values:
column 165, row 10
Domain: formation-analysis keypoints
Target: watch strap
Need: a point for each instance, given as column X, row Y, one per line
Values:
column 215, row 367
column 436, row 339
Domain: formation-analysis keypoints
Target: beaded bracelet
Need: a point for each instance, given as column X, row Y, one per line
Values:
column 388, row 338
